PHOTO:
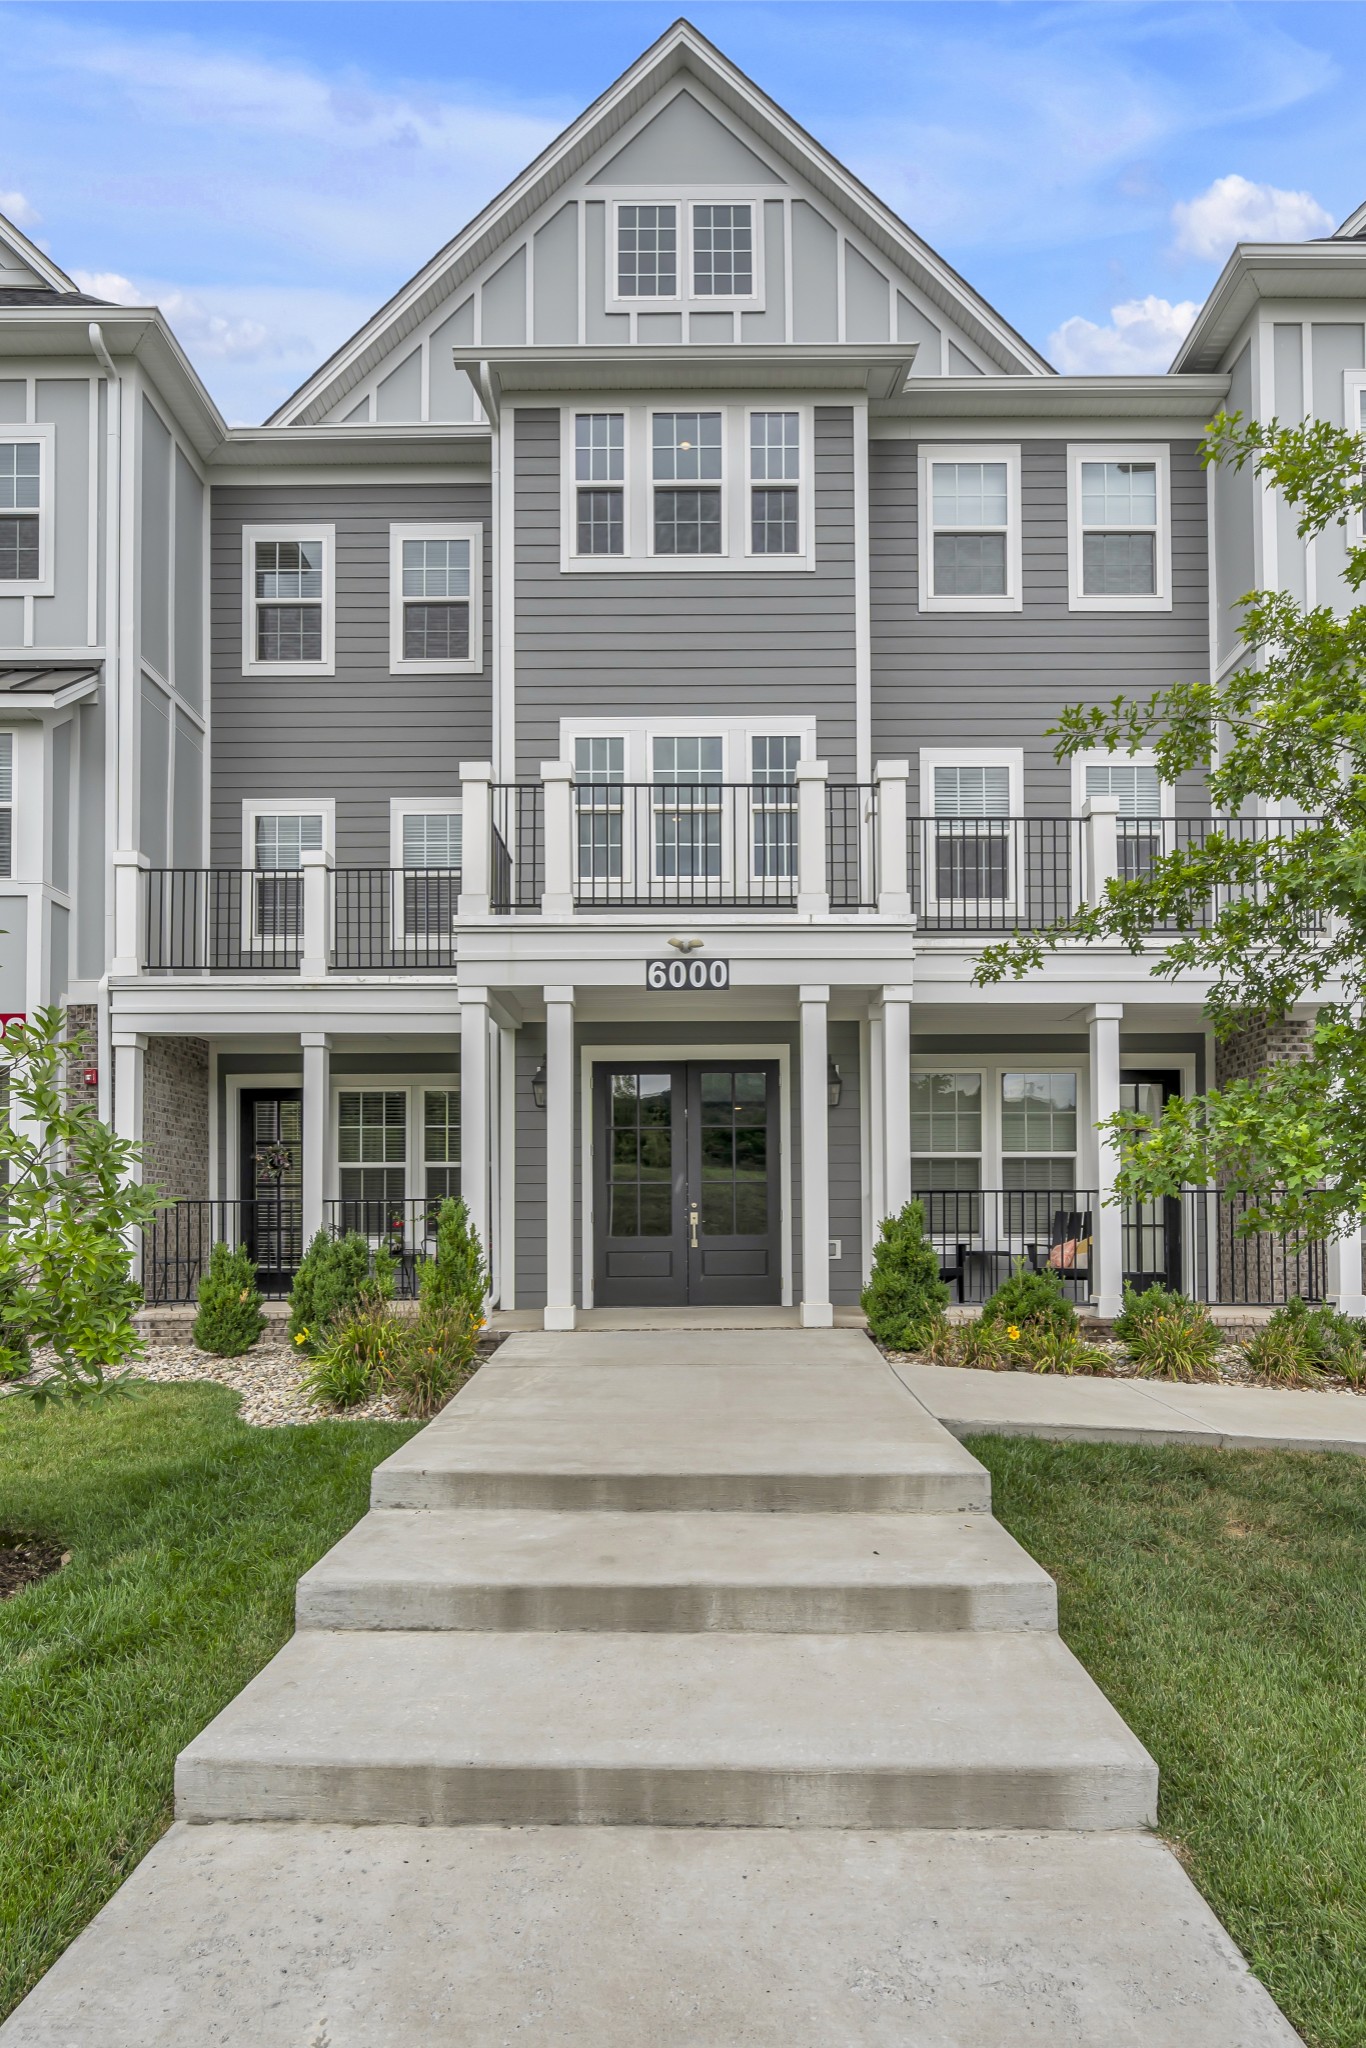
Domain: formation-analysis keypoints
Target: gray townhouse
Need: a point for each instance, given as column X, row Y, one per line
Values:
column 574, row 752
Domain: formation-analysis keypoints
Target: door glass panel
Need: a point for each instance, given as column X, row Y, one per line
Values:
column 734, row 1152
column 640, row 1166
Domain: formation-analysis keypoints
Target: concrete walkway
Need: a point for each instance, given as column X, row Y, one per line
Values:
column 1137, row 1411
column 692, row 1698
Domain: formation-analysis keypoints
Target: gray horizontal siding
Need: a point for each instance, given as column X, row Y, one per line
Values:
column 739, row 642
column 361, row 735
column 940, row 679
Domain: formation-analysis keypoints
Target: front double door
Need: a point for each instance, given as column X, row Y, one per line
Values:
column 686, row 1190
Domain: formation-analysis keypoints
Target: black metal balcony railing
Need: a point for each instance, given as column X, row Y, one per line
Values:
column 517, row 880
column 177, row 1243
column 222, row 920
column 724, row 845
column 388, row 918
column 994, row 874
column 980, row 1234
column 851, row 827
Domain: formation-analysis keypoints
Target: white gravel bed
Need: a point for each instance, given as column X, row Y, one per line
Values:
column 267, row 1377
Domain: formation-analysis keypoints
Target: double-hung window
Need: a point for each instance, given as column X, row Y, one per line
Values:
column 647, row 251
column 970, row 554
column 6, row 803
column 21, row 507
column 429, row 846
column 1118, row 519
column 775, row 471
column 971, row 833
column 287, row 625
column 435, row 577
column 687, row 775
column 688, row 475
column 1137, row 789
column 1038, row 1152
column 773, row 776
column 599, row 800
column 372, row 1160
column 279, row 840
column 946, row 1154
column 723, row 250
column 440, row 1148
column 600, row 483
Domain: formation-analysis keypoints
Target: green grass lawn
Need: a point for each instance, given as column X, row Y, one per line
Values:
column 187, row 1531
column 1219, row 1597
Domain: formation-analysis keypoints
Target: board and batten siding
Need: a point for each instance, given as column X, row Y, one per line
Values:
column 637, row 644
column 974, row 679
column 361, row 735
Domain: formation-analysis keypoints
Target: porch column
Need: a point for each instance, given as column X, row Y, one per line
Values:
column 1344, row 1272
column 1107, row 1222
column 877, row 1119
column 896, row 1098
column 559, row 1158
column 130, row 1063
column 317, row 1052
column 816, row 1310
column 474, row 1109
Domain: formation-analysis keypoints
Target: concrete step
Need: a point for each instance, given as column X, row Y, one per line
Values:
column 852, row 1731
column 527, row 1568
column 715, row 1434
column 296, row 1937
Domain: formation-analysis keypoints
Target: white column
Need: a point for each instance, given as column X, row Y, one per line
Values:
column 893, row 880
column 813, row 883
column 896, row 1098
column 130, row 912
column 130, row 1060
column 557, row 898
column 476, row 838
column 815, row 1108
column 315, row 954
column 474, row 1108
column 506, row 1213
column 1344, row 1272
column 1107, row 1232
column 1100, row 844
column 317, row 1116
column 877, row 1118
column 559, row 1158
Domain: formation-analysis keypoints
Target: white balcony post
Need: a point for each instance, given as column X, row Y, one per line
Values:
column 317, row 1052
column 896, row 1099
column 893, row 881
column 1344, row 1272
column 474, row 1110
column 1100, row 845
column 476, row 838
column 130, row 912
column 813, row 883
column 1107, row 1220
column 557, row 898
column 315, row 953
column 559, row 1158
column 815, row 1106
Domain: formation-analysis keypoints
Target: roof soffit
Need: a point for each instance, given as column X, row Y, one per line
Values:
column 1330, row 269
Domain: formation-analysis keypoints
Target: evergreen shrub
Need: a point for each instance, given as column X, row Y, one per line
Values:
column 458, row 1273
column 905, row 1298
column 229, row 1319
column 334, row 1275
column 1030, row 1297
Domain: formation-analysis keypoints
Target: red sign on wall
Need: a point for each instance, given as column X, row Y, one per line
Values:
column 8, row 1017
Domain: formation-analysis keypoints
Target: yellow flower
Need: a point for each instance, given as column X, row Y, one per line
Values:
column 302, row 1337
column 1013, row 1332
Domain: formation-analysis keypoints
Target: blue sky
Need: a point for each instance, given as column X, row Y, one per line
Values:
column 270, row 174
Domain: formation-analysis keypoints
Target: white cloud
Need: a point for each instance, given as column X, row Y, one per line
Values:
column 17, row 208
column 1143, row 334
column 1234, row 209
column 201, row 329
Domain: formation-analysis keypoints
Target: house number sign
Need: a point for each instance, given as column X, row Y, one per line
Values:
column 687, row 974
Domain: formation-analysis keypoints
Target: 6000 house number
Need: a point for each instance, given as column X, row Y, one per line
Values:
column 687, row 974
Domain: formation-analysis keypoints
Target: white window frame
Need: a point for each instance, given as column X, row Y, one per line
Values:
column 9, row 738
column 931, row 452
column 653, row 483
column 685, row 200
column 295, row 530
column 1354, row 413
column 753, row 483
column 372, row 1084
column 1156, row 452
column 570, row 512
column 401, row 807
column 639, row 735
column 470, row 530
column 43, row 433
column 1009, row 758
column 272, row 807
column 1140, row 757
column 638, row 503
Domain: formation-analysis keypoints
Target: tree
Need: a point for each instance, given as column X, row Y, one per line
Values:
column 70, row 1208
column 1276, row 915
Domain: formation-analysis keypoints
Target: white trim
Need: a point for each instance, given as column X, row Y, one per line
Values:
column 931, row 452
column 293, row 530
column 469, row 530
column 44, row 433
column 992, row 1066
column 802, row 485
column 569, row 497
column 254, row 807
column 1354, row 416
column 930, row 758
column 666, row 1054
column 401, row 807
column 1139, row 757
column 685, row 199
column 1159, row 454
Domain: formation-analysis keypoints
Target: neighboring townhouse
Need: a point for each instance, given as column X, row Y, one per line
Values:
column 573, row 754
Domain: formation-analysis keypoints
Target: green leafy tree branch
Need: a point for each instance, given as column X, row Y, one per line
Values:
column 1273, row 915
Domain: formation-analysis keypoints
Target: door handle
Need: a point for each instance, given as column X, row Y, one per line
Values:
column 692, row 1225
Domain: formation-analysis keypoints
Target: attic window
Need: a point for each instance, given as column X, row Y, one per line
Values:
column 647, row 252
column 723, row 251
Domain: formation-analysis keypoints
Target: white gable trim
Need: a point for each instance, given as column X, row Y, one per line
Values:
column 32, row 257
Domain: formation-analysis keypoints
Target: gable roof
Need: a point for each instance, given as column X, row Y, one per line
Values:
column 681, row 49
column 1354, row 227
column 23, row 265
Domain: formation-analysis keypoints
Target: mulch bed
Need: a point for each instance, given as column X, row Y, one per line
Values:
column 26, row 1559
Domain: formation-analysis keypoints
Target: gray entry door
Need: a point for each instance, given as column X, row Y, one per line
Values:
column 686, row 1195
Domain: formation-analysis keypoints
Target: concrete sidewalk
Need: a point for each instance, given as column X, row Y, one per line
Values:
column 1078, row 1410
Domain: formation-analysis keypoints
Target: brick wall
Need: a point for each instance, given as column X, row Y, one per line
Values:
column 82, row 1022
column 1243, row 1056
column 1283, row 1267
column 175, row 1116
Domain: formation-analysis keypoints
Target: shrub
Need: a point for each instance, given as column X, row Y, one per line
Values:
column 230, row 1318
column 1142, row 1304
column 458, row 1272
column 1046, row 1348
column 356, row 1354
column 1279, row 1351
column 334, row 1274
column 15, row 1354
column 1173, row 1341
column 435, row 1357
column 1029, row 1297
column 1299, row 1344
column 905, row 1298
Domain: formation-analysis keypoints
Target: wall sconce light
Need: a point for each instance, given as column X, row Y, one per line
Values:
column 538, row 1086
column 834, row 1086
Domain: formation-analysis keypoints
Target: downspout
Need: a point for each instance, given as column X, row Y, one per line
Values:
column 104, row 1050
